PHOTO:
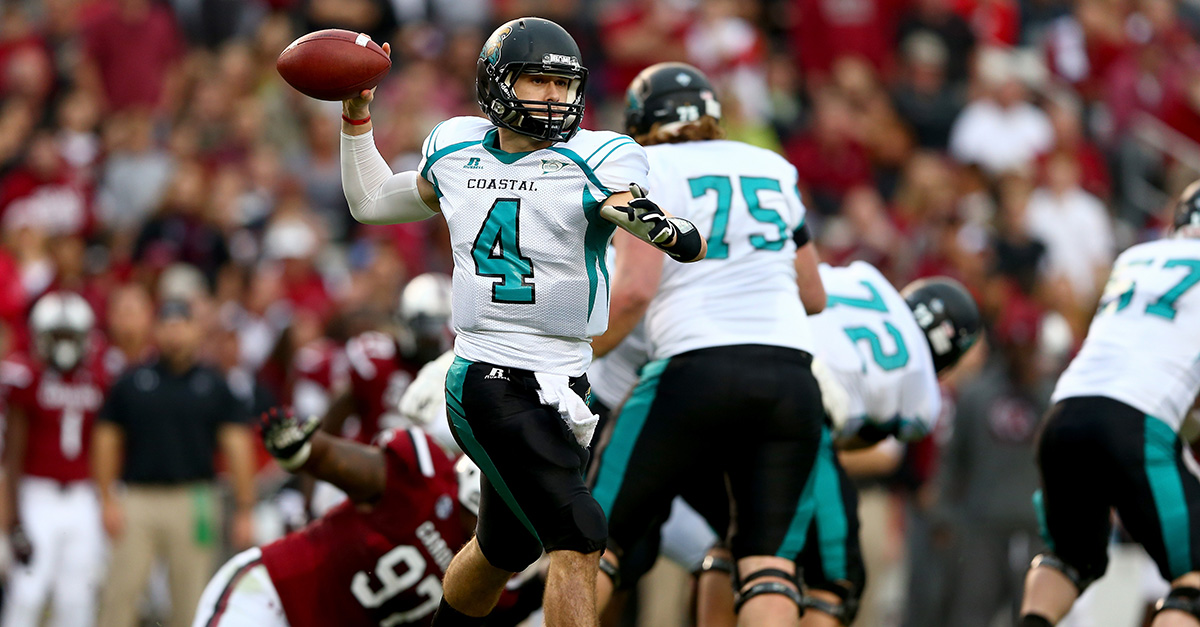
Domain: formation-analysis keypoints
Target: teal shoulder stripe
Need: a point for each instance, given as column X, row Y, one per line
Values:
column 619, row 137
column 570, row 154
column 615, row 148
column 626, row 429
column 433, row 135
column 458, row 420
column 443, row 152
column 1162, row 471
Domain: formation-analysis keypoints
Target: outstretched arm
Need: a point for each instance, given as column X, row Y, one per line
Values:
column 638, row 215
column 298, row 444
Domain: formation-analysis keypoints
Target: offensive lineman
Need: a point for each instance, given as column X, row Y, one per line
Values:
column 731, row 387
column 53, row 396
column 882, row 352
column 375, row 560
column 531, row 201
column 1111, row 440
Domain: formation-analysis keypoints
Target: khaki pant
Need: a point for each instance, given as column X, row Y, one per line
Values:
column 178, row 523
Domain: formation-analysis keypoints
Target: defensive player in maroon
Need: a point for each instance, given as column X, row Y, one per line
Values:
column 375, row 560
column 53, row 395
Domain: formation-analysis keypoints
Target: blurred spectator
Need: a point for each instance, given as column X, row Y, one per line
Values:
column 639, row 34
column 995, row 22
column 158, row 432
column 130, row 328
column 1018, row 256
column 293, row 243
column 1076, row 229
column 181, row 231
column 936, row 19
column 41, row 195
column 827, row 30
column 132, row 48
column 135, row 175
column 1000, row 130
column 922, row 96
column 1066, row 118
column 829, row 160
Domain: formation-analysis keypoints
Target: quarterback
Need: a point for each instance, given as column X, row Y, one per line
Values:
column 531, row 201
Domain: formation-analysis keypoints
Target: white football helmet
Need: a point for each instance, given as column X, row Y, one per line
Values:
column 425, row 312
column 60, row 323
column 469, row 489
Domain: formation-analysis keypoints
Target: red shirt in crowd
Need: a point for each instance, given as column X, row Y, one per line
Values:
column 60, row 409
column 829, row 29
column 52, row 204
column 133, row 53
column 381, row 566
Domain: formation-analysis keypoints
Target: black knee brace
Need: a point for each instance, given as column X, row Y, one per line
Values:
column 1049, row 560
column 610, row 569
column 1183, row 598
column 767, row 587
column 845, row 612
column 716, row 564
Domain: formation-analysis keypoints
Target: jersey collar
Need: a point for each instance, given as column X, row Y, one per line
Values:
column 491, row 143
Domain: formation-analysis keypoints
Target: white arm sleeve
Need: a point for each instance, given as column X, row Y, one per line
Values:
column 377, row 196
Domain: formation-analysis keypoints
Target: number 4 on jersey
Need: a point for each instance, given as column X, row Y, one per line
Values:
column 497, row 253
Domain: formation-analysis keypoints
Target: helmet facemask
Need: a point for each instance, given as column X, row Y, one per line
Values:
column 539, row 119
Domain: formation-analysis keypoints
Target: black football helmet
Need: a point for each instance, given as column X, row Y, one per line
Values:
column 1187, row 210
column 668, row 92
column 531, row 45
column 946, row 312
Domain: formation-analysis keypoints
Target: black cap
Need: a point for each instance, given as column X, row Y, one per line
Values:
column 174, row 308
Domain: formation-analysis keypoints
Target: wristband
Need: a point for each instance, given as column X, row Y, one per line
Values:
column 687, row 240
column 296, row 461
column 354, row 122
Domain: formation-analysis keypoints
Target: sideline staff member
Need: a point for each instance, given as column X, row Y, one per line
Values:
column 159, row 429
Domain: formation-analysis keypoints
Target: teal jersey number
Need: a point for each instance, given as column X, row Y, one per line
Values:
column 1118, row 292
column 718, row 247
column 497, row 253
column 896, row 359
column 875, row 303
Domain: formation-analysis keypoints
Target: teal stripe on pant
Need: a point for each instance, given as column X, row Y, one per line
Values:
column 793, row 541
column 458, row 418
column 832, row 526
column 625, row 435
column 1039, row 506
column 1166, row 486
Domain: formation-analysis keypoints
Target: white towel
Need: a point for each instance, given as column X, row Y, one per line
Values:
column 555, row 391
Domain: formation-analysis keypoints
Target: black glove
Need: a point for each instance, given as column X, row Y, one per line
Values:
column 22, row 549
column 286, row 436
column 642, row 217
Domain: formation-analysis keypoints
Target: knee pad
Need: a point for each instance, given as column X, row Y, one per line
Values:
column 511, row 558
column 715, row 564
column 611, row 569
column 846, row 611
column 1183, row 598
column 1049, row 560
column 767, row 587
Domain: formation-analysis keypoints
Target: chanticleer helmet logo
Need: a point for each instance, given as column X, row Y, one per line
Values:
column 491, row 50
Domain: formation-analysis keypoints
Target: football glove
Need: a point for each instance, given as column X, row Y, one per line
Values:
column 641, row 217
column 286, row 436
column 22, row 548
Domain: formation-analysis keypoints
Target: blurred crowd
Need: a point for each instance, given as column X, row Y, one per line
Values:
column 149, row 152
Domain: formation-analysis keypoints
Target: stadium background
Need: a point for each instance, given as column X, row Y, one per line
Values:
column 1014, row 145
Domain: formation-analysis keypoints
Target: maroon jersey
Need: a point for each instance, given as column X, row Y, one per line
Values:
column 379, row 567
column 378, row 377
column 60, row 409
column 318, row 369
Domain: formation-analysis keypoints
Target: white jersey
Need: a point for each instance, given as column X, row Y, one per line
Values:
column 613, row 376
column 1143, row 347
column 530, row 281
column 870, row 341
column 744, row 201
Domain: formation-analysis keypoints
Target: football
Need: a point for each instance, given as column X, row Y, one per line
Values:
column 333, row 64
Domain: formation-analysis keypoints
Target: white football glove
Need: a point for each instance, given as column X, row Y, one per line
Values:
column 424, row 400
column 641, row 217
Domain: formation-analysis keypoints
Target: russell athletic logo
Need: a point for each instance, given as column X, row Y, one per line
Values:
column 497, row 373
column 473, row 164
